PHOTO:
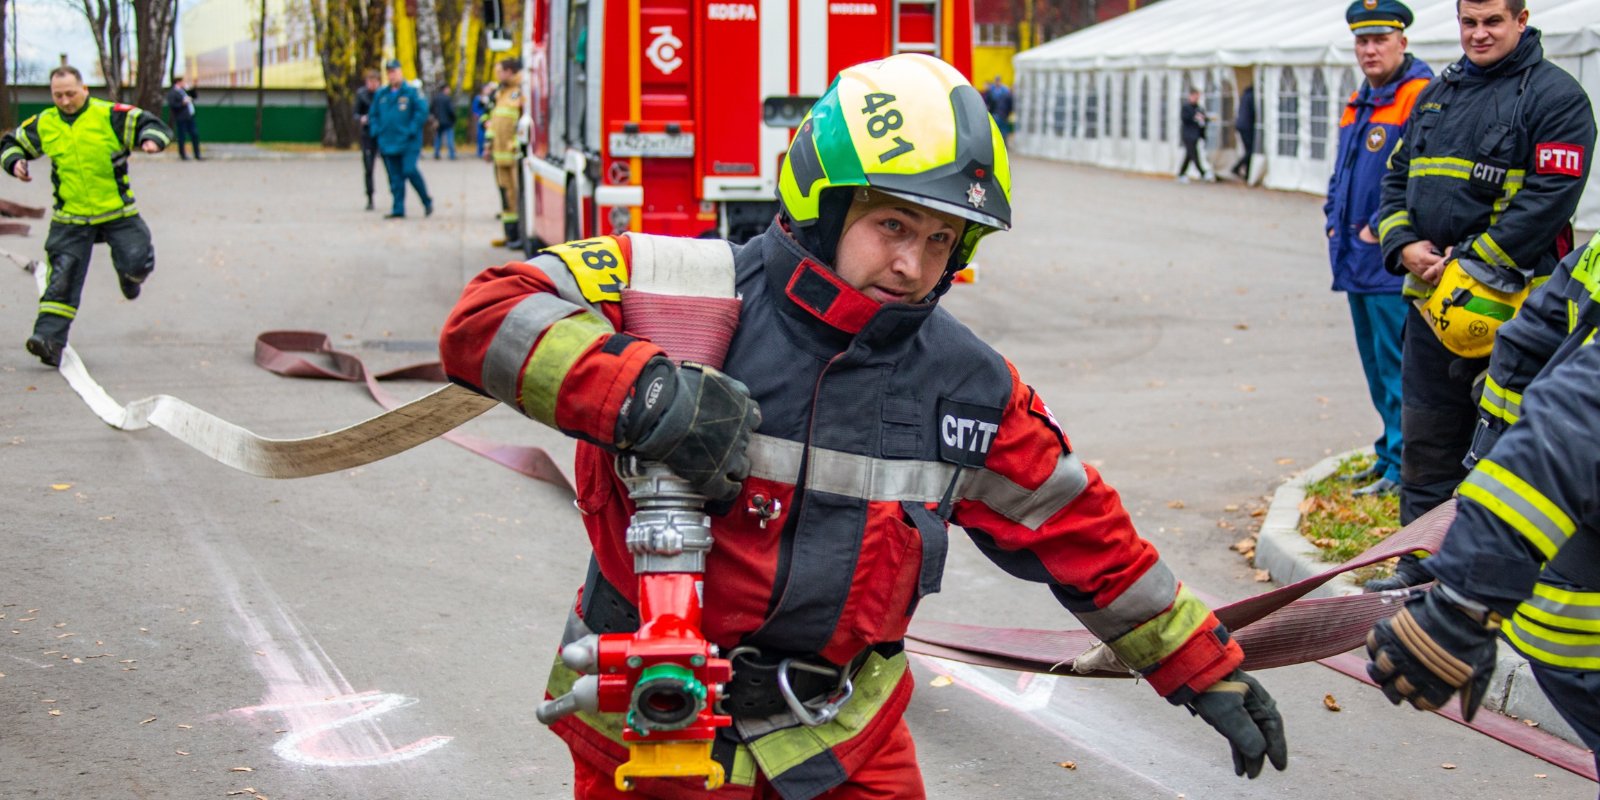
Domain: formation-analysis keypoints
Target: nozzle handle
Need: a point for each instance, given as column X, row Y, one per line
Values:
column 585, row 696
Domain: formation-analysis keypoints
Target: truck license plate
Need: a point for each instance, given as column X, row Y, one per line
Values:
column 654, row 144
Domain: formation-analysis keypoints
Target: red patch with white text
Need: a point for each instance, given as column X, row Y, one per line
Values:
column 1037, row 408
column 1557, row 158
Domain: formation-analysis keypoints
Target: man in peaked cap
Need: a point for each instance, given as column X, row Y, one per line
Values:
column 1373, row 123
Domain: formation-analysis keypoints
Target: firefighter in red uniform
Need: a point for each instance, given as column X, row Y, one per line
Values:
column 881, row 421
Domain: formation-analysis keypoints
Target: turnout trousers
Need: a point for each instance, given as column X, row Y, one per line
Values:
column 891, row 774
column 1379, row 321
column 67, row 249
column 1438, row 416
column 1576, row 696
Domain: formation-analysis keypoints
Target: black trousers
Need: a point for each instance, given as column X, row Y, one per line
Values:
column 1242, row 166
column 187, row 131
column 1191, row 155
column 1576, row 697
column 1437, row 417
column 67, row 261
column 369, row 157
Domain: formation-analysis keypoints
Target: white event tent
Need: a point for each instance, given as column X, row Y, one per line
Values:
column 1109, row 94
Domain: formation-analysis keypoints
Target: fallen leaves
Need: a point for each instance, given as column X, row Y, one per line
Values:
column 1174, row 504
column 1067, row 764
column 61, row 487
column 1263, row 576
column 1448, row 765
column 941, row 680
column 1331, row 704
column 148, row 721
column 55, row 712
column 241, row 769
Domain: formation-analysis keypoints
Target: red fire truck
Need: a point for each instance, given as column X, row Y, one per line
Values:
column 671, row 116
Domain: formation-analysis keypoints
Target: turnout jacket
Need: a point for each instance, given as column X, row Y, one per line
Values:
column 876, row 420
column 1372, row 126
column 88, row 156
column 1526, row 540
column 1493, row 164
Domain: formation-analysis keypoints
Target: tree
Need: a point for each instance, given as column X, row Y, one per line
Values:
column 105, row 19
column 153, row 26
column 430, row 55
column 349, row 35
column 8, row 104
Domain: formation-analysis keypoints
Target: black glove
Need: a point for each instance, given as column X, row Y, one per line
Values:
column 1242, row 711
column 695, row 420
column 1439, row 644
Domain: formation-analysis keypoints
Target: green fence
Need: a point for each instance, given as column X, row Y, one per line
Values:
column 238, row 123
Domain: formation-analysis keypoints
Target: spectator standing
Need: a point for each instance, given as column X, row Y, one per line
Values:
column 1522, row 559
column 503, row 147
column 88, row 141
column 1373, row 123
column 443, row 108
column 1476, row 210
column 1193, row 118
column 369, row 145
column 999, row 101
column 481, row 103
column 1245, row 125
column 180, row 103
column 399, row 113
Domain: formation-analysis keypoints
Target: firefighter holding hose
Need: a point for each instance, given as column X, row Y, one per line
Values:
column 853, row 421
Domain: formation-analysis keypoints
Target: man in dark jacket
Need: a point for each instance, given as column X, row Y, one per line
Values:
column 1373, row 122
column 180, row 102
column 1192, row 117
column 369, row 145
column 443, row 108
column 396, row 118
column 1479, row 198
column 1245, row 124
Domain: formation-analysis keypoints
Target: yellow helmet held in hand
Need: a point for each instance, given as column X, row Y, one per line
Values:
column 1465, row 313
column 909, row 125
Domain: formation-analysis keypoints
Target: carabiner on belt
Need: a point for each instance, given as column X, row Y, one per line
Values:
column 816, row 712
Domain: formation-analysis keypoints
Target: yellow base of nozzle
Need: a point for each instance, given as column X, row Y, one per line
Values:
column 669, row 760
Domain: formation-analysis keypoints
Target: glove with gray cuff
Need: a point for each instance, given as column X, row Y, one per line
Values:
column 695, row 420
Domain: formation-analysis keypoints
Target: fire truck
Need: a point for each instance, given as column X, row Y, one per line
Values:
column 672, row 116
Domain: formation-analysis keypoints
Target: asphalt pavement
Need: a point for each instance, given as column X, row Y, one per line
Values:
column 171, row 628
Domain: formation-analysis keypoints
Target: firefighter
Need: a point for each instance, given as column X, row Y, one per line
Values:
column 500, row 128
column 1522, row 559
column 1374, row 119
column 88, row 141
column 881, row 421
column 1475, row 213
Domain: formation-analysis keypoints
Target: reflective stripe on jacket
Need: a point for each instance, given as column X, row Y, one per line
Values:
column 1527, row 536
column 875, row 419
column 89, row 156
column 502, row 123
column 1493, row 165
column 1372, row 126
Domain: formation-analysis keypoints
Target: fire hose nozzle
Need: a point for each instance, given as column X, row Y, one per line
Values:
column 582, row 655
column 585, row 696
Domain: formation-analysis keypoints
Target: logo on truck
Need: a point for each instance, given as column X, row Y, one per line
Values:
column 731, row 11
column 663, row 50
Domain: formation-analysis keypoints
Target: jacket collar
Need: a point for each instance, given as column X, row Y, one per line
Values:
column 1379, row 96
column 1528, row 52
column 823, row 304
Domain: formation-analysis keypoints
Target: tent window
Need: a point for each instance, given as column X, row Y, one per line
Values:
column 1347, row 84
column 1122, row 113
column 1166, row 108
column 1224, row 120
column 1319, row 116
column 1030, row 111
column 1288, row 114
column 1211, row 100
column 1058, row 109
column 1091, row 110
column 1144, row 108
column 1072, row 113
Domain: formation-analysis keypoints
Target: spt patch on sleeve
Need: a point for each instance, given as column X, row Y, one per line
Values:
column 1558, row 158
column 598, row 266
column 966, row 432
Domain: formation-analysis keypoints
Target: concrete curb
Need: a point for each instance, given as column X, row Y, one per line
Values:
column 1288, row 557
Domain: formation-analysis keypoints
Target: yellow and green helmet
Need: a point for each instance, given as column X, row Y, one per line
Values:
column 908, row 125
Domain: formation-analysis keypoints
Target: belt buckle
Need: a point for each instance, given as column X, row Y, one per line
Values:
column 823, row 711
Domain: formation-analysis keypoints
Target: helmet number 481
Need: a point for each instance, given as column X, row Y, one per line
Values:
column 879, row 126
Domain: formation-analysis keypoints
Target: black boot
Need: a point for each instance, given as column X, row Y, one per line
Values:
column 513, row 239
column 48, row 350
column 369, row 202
